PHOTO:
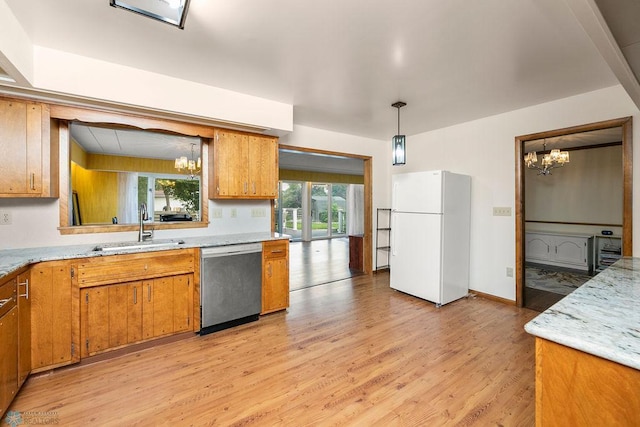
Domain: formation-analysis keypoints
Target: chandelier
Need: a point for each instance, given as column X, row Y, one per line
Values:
column 554, row 159
column 192, row 166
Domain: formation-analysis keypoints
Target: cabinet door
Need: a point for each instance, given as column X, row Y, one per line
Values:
column 162, row 300
column 147, row 309
column 21, row 144
column 230, row 160
column 24, row 327
column 538, row 247
column 96, row 320
column 275, row 285
column 55, row 317
column 275, row 275
column 8, row 358
column 182, row 302
column 571, row 250
column 263, row 166
column 118, row 315
column 134, row 312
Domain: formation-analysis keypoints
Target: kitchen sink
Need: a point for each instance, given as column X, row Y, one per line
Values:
column 127, row 246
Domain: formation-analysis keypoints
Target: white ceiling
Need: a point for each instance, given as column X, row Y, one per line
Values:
column 155, row 145
column 133, row 143
column 342, row 63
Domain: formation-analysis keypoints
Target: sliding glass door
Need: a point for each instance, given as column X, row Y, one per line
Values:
column 308, row 210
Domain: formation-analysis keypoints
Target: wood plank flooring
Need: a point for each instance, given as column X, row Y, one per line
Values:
column 318, row 262
column 353, row 352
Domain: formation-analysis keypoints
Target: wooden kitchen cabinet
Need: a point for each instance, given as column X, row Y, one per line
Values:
column 244, row 166
column 9, row 347
column 8, row 358
column 104, row 270
column 55, row 317
column 275, row 275
column 113, row 316
column 574, row 388
column 24, row 327
column 28, row 157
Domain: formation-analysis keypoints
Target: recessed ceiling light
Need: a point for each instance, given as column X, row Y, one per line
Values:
column 172, row 12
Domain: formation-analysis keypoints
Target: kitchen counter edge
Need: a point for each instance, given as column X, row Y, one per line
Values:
column 12, row 260
column 602, row 317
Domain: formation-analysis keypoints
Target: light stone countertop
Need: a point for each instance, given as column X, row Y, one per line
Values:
column 14, row 259
column 602, row 317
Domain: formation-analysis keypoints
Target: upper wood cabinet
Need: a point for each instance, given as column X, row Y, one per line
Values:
column 28, row 157
column 243, row 166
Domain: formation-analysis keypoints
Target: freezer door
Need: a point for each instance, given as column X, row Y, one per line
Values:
column 415, row 262
column 417, row 192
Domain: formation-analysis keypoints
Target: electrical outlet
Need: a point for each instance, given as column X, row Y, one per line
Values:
column 258, row 213
column 5, row 218
column 502, row 211
column 217, row 213
column 509, row 272
column 234, row 213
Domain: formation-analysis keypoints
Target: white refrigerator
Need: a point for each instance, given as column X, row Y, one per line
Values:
column 430, row 226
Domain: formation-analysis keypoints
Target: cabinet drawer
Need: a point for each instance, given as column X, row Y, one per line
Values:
column 8, row 296
column 126, row 268
column 275, row 249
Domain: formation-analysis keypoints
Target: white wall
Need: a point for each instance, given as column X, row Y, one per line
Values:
column 55, row 71
column 485, row 149
column 35, row 223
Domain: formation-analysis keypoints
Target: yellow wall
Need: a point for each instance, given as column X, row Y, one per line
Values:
column 129, row 164
column 296, row 175
column 97, row 194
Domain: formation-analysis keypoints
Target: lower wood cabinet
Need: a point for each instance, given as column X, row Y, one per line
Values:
column 574, row 388
column 55, row 318
column 113, row 316
column 275, row 275
column 9, row 344
column 24, row 326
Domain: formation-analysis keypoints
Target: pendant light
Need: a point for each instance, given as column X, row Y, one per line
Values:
column 399, row 153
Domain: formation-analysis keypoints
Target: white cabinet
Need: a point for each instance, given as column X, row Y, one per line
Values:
column 573, row 251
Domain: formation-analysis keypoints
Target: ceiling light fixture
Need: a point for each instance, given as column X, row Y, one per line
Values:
column 398, row 142
column 554, row 159
column 192, row 165
column 172, row 12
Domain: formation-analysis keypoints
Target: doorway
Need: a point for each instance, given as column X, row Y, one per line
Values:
column 320, row 187
column 625, row 125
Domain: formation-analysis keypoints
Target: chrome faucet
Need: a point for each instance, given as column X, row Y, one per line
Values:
column 144, row 216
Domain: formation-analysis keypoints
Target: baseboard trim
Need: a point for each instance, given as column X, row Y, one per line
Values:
column 492, row 297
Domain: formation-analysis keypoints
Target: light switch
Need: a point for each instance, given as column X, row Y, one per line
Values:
column 502, row 211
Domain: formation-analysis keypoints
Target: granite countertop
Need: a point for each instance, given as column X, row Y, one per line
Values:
column 14, row 259
column 602, row 317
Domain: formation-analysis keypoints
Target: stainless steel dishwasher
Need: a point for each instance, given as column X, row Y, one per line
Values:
column 230, row 286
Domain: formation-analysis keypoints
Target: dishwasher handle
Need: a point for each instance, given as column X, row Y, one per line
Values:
column 230, row 250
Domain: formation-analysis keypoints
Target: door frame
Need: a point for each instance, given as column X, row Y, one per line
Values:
column 367, row 241
column 627, row 182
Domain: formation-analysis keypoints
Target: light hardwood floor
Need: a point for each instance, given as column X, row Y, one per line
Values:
column 318, row 262
column 352, row 352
